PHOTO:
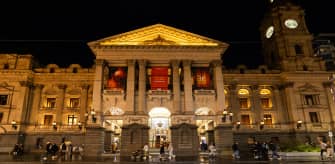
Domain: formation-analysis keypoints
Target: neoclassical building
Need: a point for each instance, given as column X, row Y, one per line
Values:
column 160, row 84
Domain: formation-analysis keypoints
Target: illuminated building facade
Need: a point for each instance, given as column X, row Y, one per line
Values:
column 160, row 84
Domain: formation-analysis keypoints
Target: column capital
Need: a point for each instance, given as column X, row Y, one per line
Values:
column 99, row 61
column 175, row 63
column 38, row 86
column 85, row 86
column 26, row 84
column 142, row 62
column 216, row 63
column 131, row 62
column 62, row 86
column 187, row 63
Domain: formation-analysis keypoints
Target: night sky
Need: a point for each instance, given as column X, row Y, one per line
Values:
column 58, row 31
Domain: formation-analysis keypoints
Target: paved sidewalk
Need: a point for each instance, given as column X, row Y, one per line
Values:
column 34, row 158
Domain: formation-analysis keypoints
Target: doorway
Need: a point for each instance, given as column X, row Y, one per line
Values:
column 159, row 123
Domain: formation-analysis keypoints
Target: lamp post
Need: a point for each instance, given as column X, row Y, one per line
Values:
column 224, row 118
column 94, row 119
column 14, row 126
column 261, row 126
column 299, row 123
column 54, row 125
column 238, row 124
column 80, row 125
column 231, row 114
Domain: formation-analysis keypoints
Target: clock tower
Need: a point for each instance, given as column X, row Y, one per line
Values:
column 286, row 41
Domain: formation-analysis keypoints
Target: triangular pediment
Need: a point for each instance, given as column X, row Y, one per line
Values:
column 157, row 34
column 307, row 87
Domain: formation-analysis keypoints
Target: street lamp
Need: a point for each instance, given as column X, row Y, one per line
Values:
column 94, row 119
column 14, row 126
column 225, row 113
column 54, row 125
column 238, row 124
column 261, row 126
column 231, row 116
column 299, row 123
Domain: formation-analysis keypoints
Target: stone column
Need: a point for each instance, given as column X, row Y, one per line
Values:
column 218, row 83
column 291, row 104
column 176, row 86
column 258, row 111
column 24, row 102
column 278, row 105
column 33, row 118
column 330, row 100
column 234, row 102
column 141, row 87
column 97, row 91
column 188, row 99
column 83, row 102
column 130, row 87
column 60, row 103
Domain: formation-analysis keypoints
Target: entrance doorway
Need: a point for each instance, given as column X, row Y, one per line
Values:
column 113, row 135
column 159, row 123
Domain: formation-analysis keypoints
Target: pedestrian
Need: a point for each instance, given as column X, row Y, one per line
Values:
column 274, row 148
column 212, row 151
column 170, row 150
column 323, row 147
column 236, row 150
column 145, row 151
column 161, row 152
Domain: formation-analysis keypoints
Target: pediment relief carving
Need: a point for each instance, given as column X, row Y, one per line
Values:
column 50, row 91
column 157, row 34
column 307, row 87
column 74, row 92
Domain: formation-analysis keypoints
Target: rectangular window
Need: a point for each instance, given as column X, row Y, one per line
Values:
column 51, row 102
column 74, row 102
column 3, row 99
column 48, row 119
column 265, row 102
column 243, row 103
column 267, row 119
column 159, row 78
column 202, row 78
column 312, row 100
column 72, row 119
column 314, row 117
column 1, row 116
column 245, row 119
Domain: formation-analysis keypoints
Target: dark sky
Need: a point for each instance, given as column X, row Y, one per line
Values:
column 58, row 31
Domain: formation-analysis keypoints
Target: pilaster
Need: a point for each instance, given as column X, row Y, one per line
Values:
column 142, row 87
column 188, row 99
column 258, row 112
column 36, row 103
column 97, row 91
column 60, row 103
column 130, row 87
column 176, row 86
column 83, row 102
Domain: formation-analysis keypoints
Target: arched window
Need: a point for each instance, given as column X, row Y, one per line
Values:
column 298, row 49
column 265, row 97
column 244, row 98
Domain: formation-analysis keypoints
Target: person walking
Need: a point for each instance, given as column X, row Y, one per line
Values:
column 170, row 150
column 323, row 147
column 212, row 151
column 236, row 151
column 161, row 152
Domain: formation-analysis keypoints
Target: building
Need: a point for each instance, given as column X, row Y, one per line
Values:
column 160, row 84
column 324, row 47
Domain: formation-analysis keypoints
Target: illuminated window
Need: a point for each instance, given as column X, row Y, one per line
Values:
column 267, row 119
column 74, row 102
column 51, row 102
column 245, row 119
column 72, row 119
column 3, row 99
column 243, row 92
column 265, row 92
column 312, row 100
column 314, row 117
column 244, row 103
column 265, row 102
column 48, row 119
column 202, row 78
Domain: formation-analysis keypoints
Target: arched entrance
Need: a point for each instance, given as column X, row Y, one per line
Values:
column 159, row 123
column 205, row 124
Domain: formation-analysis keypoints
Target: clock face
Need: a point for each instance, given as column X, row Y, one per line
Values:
column 291, row 23
column 269, row 32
